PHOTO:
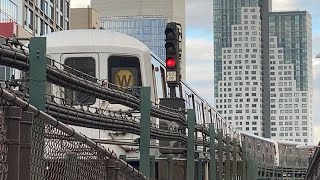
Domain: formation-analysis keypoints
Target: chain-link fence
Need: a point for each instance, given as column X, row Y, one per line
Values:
column 3, row 147
column 56, row 152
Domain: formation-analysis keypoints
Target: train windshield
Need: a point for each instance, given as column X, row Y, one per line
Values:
column 124, row 71
column 80, row 66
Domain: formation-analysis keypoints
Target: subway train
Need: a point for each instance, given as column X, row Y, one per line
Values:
column 125, row 61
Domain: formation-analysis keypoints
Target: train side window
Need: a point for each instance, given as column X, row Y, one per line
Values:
column 124, row 71
column 154, row 79
column 163, row 81
column 80, row 66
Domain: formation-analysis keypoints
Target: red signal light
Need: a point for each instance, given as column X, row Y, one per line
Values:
column 170, row 62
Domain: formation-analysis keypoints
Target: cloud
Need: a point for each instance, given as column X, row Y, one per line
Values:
column 199, row 14
column 316, row 137
column 285, row 5
column 79, row 3
column 200, row 67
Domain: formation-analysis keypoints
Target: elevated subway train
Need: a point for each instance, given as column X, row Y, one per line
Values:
column 124, row 61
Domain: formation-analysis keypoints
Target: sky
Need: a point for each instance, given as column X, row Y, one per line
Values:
column 199, row 50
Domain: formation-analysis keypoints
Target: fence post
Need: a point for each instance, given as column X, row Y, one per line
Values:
column 152, row 167
column 25, row 145
column 234, row 165
column 220, row 155
column 37, row 91
column 190, row 152
column 244, row 159
column 200, row 166
column 145, row 106
column 227, row 163
column 170, row 168
column 213, row 166
column 12, row 118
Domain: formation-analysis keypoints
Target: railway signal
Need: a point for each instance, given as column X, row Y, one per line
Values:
column 173, row 53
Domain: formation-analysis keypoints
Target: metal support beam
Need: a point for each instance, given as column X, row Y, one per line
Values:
column 38, row 63
column 190, row 153
column 213, row 166
column 145, row 105
column 37, row 91
column 12, row 118
column 220, row 155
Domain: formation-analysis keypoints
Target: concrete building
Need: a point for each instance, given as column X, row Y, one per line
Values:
column 263, row 69
column 141, row 12
column 27, row 18
column 44, row 16
column 84, row 18
column 291, row 76
column 241, row 91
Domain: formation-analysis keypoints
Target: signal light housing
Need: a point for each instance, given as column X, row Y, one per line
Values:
column 172, row 53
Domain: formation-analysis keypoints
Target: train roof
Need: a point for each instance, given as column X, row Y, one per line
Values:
column 94, row 40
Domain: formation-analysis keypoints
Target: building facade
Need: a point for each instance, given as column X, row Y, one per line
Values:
column 263, row 69
column 240, row 34
column 149, row 30
column 84, row 18
column 27, row 18
column 291, row 76
column 45, row 16
column 9, row 15
column 142, row 12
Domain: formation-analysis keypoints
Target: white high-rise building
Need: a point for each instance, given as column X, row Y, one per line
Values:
column 240, row 90
column 263, row 69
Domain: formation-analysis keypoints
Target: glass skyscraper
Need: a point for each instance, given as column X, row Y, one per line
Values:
column 149, row 30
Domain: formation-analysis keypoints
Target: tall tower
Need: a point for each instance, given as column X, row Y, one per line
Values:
column 240, row 59
column 291, row 76
column 145, row 20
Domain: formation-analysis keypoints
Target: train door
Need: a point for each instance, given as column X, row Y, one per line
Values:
column 84, row 65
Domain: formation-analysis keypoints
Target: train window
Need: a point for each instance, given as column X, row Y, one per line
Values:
column 163, row 81
column 124, row 71
column 154, row 79
column 80, row 66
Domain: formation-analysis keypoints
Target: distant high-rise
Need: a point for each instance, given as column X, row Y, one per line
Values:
column 143, row 15
column 263, row 76
column 149, row 30
column 291, row 76
column 240, row 34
